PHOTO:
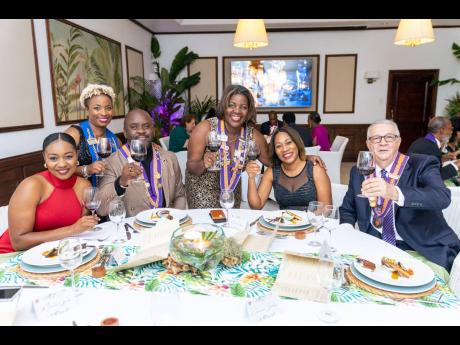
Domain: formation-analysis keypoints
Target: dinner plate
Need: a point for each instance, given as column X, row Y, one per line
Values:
column 54, row 269
column 34, row 256
column 289, row 221
column 392, row 288
column 272, row 226
column 152, row 216
column 151, row 225
column 422, row 273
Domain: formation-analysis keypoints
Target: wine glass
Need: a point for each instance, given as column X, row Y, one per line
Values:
column 315, row 217
column 104, row 150
column 331, row 221
column 227, row 200
column 92, row 201
column 330, row 281
column 366, row 165
column 70, row 255
column 138, row 150
column 213, row 146
column 117, row 213
column 253, row 150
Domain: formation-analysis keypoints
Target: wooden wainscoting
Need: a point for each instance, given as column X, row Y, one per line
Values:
column 14, row 169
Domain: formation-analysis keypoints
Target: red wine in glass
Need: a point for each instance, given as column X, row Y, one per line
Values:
column 365, row 165
column 138, row 157
column 214, row 147
column 367, row 171
column 252, row 156
column 104, row 155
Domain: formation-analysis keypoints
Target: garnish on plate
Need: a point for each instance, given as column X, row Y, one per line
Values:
column 398, row 267
column 52, row 253
column 366, row 263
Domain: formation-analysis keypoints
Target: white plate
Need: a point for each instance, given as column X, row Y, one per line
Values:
column 151, row 216
column 54, row 269
column 422, row 273
column 288, row 220
column 34, row 256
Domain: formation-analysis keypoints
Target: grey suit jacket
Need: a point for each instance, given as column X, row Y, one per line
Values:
column 136, row 195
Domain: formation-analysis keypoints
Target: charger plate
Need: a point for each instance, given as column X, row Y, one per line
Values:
column 34, row 256
column 284, row 232
column 152, row 225
column 142, row 227
column 150, row 217
column 376, row 291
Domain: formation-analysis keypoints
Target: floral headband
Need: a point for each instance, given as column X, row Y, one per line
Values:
column 95, row 90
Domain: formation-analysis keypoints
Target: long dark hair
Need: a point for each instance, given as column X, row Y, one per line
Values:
column 59, row 136
column 232, row 90
column 295, row 136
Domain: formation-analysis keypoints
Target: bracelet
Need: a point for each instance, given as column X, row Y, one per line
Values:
column 84, row 171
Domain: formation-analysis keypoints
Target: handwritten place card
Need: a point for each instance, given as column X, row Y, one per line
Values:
column 262, row 308
column 54, row 303
column 299, row 277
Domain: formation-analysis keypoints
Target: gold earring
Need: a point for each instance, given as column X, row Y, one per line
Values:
column 46, row 167
column 78, row 163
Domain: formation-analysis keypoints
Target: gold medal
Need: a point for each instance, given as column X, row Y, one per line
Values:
column 377, row 221
column 157, row 176
column 147, row 185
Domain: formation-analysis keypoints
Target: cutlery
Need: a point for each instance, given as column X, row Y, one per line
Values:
column 133, row 228
column 254, row 221
column 128, row 234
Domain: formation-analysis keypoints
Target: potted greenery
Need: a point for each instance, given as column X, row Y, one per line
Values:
column 201, row 108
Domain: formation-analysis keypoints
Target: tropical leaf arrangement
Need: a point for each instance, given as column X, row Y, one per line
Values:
column 201, row 108
column 162, row 97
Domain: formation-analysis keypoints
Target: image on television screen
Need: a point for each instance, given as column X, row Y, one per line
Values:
column 277, row 82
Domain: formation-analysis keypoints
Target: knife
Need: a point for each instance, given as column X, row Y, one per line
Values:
column 128, row 234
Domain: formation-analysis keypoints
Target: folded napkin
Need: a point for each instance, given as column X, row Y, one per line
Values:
column 154, row 244
column 250, row 242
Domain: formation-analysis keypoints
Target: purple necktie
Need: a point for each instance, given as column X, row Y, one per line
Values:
column 388, row 232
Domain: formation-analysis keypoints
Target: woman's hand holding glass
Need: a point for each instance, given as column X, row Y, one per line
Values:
column 92, row 201
column 252, row 169
column 104, row 150
column 210, row 158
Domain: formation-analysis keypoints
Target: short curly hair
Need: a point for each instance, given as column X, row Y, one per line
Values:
column 95, row 90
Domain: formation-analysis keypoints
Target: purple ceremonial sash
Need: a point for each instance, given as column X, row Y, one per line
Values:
column 230, row 170
column 431, row 137
column 155, row 191
column 393, row 176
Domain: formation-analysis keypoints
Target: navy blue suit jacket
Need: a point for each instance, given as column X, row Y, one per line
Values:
column 265, row 127
column 420, row 222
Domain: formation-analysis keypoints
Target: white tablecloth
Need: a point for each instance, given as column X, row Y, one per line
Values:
column 138, row 307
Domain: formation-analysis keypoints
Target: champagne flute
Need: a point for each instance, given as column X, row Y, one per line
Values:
column 227, row 200
column 92, row 201
column 70, row 255
column 366, row 165
column 138, row 150
column 117, row 213
column 213, row 146
column 331, row 221
column 330, row 281
column 253, row 150
column 104, row 150
column 315, row 217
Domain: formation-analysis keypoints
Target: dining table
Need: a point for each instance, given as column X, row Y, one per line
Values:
column 168, row 300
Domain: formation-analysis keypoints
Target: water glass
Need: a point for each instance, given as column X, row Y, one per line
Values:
column 331, row 222
column 117, row 213
column 227, row 200
column 92, row 201
column 315, row 211
column 70, row 254
column 329, row 281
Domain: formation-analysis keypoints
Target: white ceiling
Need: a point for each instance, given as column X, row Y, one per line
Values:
column 213, row 25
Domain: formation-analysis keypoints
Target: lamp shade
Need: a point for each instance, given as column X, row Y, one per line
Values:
column 250, row 33
column 412, row 32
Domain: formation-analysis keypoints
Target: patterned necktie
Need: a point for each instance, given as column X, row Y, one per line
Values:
column 388, row 232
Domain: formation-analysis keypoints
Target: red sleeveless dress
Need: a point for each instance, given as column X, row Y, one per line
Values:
column 62, row 208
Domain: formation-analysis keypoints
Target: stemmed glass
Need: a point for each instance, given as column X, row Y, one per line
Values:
column 329, row 282
column 366, row 165
column 117, row 213
column 315, row 211
column 331, row 221
column 253, row 150
column 104, row 150
column 70, row 254
column 92, row 201
column 213, row 146
column 138, row 150
column 227, row 200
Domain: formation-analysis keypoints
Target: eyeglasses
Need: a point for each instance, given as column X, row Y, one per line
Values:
column 389, row 138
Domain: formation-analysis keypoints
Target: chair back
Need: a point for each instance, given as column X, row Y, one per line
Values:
column 3, row 219
column 338, row 193
column 339, row 144
column 182, row 159
column 164, row 142
column 312, row 150
column 333, row 158
column 452, row 214
column 454, row 279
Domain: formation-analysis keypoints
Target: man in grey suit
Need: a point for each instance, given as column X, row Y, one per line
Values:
column 161, row 185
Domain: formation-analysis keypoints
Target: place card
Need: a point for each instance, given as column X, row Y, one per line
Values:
column 299, row 277
column 254, row 243
column 262, row 308
column 54, row 303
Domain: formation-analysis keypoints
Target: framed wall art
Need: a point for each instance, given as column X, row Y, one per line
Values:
column 78, row 57
column 134, row 66
column 208, row 78
column 280, row 82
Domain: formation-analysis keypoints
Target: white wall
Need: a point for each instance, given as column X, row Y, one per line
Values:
column 121, row 30
column 375, row 50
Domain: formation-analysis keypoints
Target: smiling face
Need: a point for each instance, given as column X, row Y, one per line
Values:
column 61, row 159
column 139, row 125
column 384, row 152
column 236, row 111
column 100, row 110
column 285, row 148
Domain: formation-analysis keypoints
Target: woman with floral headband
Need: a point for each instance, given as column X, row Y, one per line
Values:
column 98, row 102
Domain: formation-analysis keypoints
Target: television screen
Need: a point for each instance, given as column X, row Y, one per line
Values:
column 276, row 82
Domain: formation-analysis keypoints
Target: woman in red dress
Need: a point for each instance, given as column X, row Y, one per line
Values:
column 47, row 206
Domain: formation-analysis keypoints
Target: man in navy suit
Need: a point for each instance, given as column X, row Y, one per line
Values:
column 407, row 202
column 268, row 127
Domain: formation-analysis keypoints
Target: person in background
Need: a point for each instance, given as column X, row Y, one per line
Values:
column 439, row 131
column 161, row 185
column 98, row 102
column 452, row 146
column 319, row 132
column 406, row 198
column 305, row 133
column 295, row 180
column 48, row 206
column 178, row 139
column 268, row 127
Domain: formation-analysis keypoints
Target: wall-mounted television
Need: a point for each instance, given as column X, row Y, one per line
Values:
column 278, row 83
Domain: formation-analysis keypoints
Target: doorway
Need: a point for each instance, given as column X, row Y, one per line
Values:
column 411, row 102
